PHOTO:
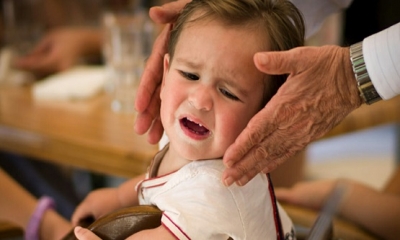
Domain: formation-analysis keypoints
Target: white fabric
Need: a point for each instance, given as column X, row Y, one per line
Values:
column 77, row 83
column 315, row 12
column 196, row 205
column 163, row 141
column 382, row 59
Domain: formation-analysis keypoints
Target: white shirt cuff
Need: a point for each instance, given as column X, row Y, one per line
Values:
column 382, row 58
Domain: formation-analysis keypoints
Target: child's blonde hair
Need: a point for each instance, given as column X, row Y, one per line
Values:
column 280, row 20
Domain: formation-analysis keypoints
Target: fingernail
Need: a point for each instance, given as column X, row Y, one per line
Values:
column 77, row 229
column 228, row 181
column 261, row 58
column 228, row 164
column 243, row 181
column 157, row 7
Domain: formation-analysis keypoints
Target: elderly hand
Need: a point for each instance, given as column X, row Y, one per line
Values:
column 320, row 91
column 148, row 94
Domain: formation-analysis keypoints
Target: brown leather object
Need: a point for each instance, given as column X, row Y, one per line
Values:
column 123, row 223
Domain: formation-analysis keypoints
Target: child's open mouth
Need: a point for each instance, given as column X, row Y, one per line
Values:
column 194, row 127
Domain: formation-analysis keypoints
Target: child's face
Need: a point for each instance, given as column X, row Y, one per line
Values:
column 211, row 89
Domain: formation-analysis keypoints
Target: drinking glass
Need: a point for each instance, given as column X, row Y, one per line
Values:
column 127, row 43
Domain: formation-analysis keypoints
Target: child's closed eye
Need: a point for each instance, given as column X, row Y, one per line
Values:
column 228, row 94
column 189, row 76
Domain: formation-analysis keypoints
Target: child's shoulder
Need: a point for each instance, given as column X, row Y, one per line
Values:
column 211, row 171
column 211, row 167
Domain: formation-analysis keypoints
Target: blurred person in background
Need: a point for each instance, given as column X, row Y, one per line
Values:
column 49, row 36
column 73, row 34
column 23, row 23
column 377, row 211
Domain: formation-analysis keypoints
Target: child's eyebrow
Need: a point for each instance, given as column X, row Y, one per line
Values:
column 225, row 77
column 236, row 86
column 187, row 63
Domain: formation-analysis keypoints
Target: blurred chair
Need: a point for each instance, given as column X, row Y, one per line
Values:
column 10, row 231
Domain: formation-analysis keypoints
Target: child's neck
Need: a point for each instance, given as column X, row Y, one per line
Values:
column 171, row 162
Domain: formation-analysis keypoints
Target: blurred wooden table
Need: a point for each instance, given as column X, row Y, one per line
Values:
column 382, row 112
column 84, row 134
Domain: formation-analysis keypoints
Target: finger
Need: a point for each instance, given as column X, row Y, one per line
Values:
column 25, row 62
column 46, row 65
column 145, row 119
column 267, row 166
column 79, row 214
column 156, row 129
column 143, row 122
column 41, row 65
column 168, row 12
column 156, row 132
column 282, row 62
column 43, row 46
column 267, row 154
column 246, row 169
column 152, row 74
column 30, row 60
column 258, row 128
column 85, row 234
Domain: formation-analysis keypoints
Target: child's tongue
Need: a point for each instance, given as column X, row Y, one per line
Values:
column 194, row 127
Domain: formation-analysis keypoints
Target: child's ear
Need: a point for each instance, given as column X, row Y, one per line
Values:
column 166, row 69
column 166, row 65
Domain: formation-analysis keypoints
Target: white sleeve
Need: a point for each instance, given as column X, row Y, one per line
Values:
column 315, row 12
column 196, row 205
column 193, row 209
column 382, row 59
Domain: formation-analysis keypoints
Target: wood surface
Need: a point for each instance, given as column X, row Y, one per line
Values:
column 84, row 134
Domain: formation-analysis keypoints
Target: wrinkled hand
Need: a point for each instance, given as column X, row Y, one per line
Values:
column 148, row 94
column 320, row 91
column 312, row 194
column 59, row 50
column 96, row 204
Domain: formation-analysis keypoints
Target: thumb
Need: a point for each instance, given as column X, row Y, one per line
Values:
column 277, row 63
column 78, row 215
column 168, row 12
column 84, row 234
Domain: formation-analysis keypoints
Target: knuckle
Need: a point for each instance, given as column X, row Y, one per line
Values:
column 260, row 158
column 242, row 169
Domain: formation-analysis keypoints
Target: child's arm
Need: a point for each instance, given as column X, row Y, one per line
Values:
column 376, row 211
column 157, row 233
column 17, row 206
column 106, row 200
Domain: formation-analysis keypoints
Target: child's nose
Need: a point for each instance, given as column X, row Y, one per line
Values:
column 201, row 98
